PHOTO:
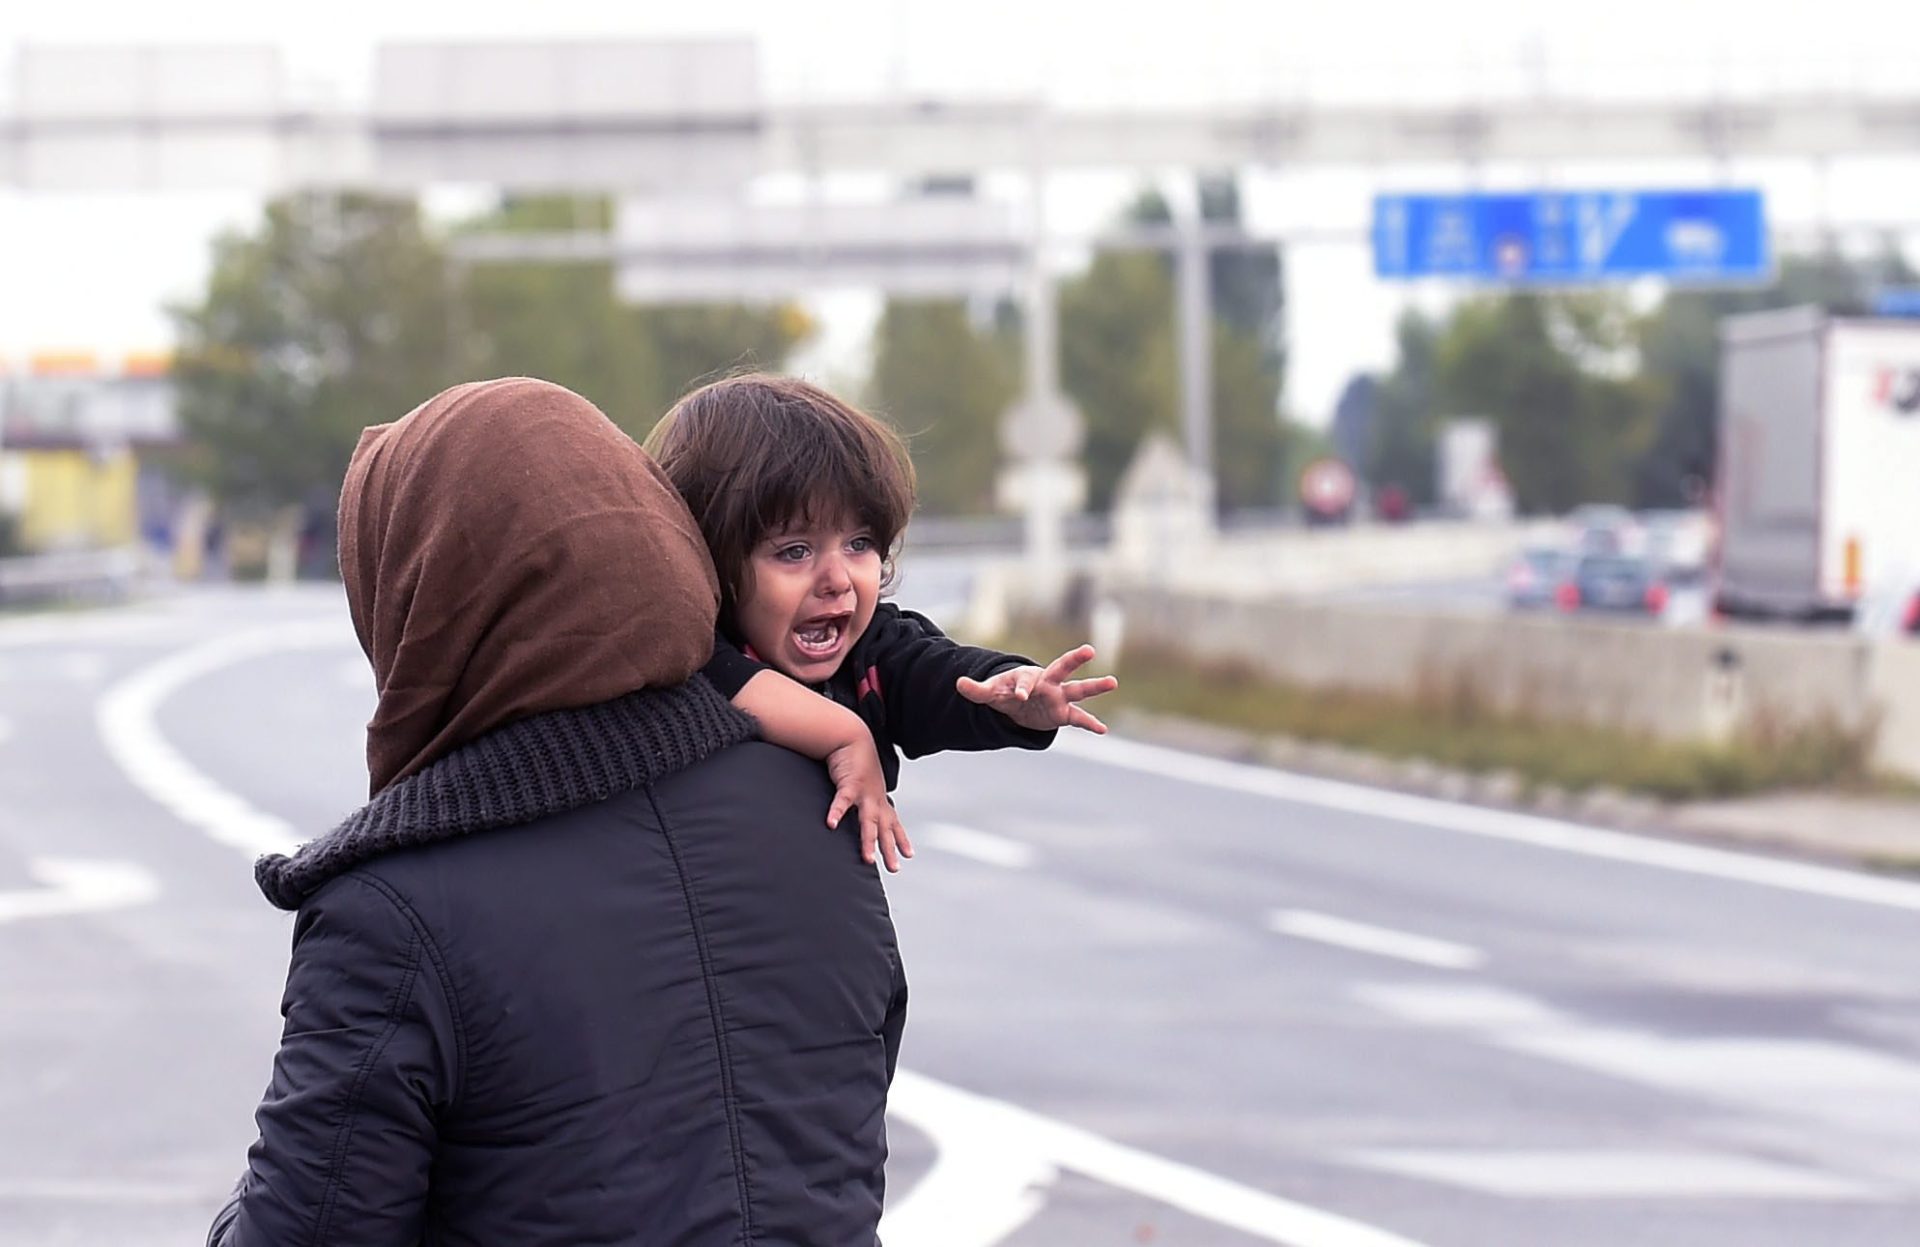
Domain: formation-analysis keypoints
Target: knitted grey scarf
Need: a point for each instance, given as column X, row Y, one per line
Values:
column 546, row 764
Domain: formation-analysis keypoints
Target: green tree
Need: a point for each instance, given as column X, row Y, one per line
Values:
column 341, row 311
column 1117, row 361
column 1402, row 445
column 1251, row 442
column 1120, row 363
column 1569, row 433
column 946, row 384
column 565, row 323
column 334, row 314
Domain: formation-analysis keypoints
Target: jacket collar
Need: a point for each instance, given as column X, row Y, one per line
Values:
column 546, row 764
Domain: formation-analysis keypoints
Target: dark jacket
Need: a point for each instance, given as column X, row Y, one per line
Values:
column 899, row 678
column 599, row 977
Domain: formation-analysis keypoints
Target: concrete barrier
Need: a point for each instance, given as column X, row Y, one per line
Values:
column 1681, row 685
column 1895, row 681
column 1321, row 560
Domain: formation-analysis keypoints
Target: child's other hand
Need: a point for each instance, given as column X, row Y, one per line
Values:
column 860, row 784
column 1043, row 697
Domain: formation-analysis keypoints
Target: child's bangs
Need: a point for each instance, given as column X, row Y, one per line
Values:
column 824, row 486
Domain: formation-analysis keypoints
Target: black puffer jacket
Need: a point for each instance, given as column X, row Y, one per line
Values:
column 601, row 977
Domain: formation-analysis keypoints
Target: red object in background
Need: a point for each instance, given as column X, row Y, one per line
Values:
column 1394, row 505
column 1327, row 487
column 1656, row 598
column 1911, row 621
column 1567, row 596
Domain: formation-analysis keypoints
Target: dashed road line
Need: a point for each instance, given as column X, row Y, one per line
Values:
column 981, row 846
column 78, row 886
column 1381, row 941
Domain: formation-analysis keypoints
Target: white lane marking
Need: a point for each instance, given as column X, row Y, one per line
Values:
column 1758, row 1069
column 1747, row 1068
column 978, row 1191
column 81, row 1191
column 1384, row 941
column 1530, row 829
column 981, row 846
column 1843, row 1104
column 1603, row 1174
column 125, row 718
column 1029, row 1146
column 72, row 885
column 1462, row 1006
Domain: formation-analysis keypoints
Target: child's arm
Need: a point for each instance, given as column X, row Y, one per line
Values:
column 941, row 695
column 799, row 719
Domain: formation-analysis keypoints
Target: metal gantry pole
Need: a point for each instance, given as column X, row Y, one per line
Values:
column 1195, row 304
column 1045, row 435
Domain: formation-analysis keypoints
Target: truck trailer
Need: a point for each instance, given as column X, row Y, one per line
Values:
column 1818, row 489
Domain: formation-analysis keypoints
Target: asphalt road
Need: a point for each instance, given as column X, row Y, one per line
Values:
column 1156, row 999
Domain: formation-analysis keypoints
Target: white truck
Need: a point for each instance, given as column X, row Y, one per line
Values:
column 1818, row 488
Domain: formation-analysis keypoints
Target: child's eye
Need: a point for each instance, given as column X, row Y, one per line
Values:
column 860, row 545
column 792, row 554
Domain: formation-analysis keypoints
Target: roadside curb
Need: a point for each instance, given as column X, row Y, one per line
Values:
column 1499, row 790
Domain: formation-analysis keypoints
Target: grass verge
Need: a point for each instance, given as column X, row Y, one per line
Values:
column 1451, row 728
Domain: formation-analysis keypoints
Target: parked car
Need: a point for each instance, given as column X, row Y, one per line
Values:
column 1616, row 583
column 1535, row 576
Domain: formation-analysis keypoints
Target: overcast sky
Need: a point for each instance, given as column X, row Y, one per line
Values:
column 92, row 272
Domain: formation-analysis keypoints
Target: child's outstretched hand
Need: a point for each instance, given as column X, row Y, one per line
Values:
column 1043, row 697
column 860, row 784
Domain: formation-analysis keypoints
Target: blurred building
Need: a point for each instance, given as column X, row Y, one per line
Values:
column 79, row 444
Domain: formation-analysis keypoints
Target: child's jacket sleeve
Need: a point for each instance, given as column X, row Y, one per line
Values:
column 730, row 668
column 906, row 669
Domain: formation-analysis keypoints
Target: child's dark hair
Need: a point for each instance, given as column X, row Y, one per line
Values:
column 755, row 452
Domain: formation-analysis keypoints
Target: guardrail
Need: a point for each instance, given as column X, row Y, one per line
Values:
column 68, row 573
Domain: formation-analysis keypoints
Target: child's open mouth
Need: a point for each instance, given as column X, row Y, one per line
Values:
column 820, row 638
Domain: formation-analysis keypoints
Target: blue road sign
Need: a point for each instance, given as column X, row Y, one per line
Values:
column 1897, row 301
column 1561, row 238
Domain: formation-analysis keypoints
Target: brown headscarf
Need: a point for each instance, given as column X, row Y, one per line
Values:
column 508, row 551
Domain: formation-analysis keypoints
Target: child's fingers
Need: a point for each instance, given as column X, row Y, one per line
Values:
column 889, row 852
column 1080, row 690
column 842, row 802
column 1023, row 682
column 1070, row 662
column 869, row 839
column 1078, row 717
column 900, row 837
column 975, row 690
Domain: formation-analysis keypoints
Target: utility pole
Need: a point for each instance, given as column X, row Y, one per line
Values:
column 1193, row 273
column 1042, row 431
